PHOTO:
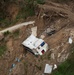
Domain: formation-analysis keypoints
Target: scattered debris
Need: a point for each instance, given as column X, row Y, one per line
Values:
column 17, row 70
column 42, row 36
column 59, row 54
column 37, row 46
column 49, row 23
column 34, row 31
column 70, row 40
column 55, row 67
column 17, row 59
column 48, row 69
column 52, row 32
column 52, row 56
column 13, row 65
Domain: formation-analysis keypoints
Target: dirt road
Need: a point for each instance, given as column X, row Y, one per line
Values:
column 11, row 29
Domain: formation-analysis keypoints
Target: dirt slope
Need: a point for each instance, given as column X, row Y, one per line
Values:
column 57, row 17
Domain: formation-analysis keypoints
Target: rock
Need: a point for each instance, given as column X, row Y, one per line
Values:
column 55, row 67
column 52, row 56
column 42, row 36
column 59, row 54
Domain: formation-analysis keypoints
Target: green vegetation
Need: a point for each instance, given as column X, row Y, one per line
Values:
column 16, row 34
column 2, row 49
column 40, row 1
column 26, row 9
column 67, row 67
column 6, row 33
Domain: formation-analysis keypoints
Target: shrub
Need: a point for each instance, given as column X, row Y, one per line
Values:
column 6, row 33
column 16, row 33
column 2, row 49
column 40, row 1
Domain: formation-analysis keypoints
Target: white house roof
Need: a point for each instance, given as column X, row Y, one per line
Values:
column 38, row 42
column 35, row 43
column 30, row 41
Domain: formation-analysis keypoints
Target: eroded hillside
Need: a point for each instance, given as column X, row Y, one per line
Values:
column 59, row 17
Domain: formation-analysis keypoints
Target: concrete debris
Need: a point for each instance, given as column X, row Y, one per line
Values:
column 34, row 31
column 43, row 15
column 52, row 56
column 55, row 67
column 70, row 40
column 50, row 31
column 48, row 69
column 59, row 54
column 42, row 36
column 62, row 50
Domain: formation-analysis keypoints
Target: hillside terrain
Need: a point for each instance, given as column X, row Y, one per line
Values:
column 48, row 15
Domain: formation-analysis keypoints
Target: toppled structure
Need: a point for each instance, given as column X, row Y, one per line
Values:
column 36, row 46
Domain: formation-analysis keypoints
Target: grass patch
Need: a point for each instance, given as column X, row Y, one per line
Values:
column 2, row 49
column 16, row 34
column 6, row 33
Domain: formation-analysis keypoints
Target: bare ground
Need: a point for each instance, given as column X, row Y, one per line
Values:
column 58, row 42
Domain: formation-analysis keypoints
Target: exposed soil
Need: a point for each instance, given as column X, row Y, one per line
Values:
column 57, row 17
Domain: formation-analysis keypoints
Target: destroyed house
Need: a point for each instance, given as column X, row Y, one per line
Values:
column 36, row 45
